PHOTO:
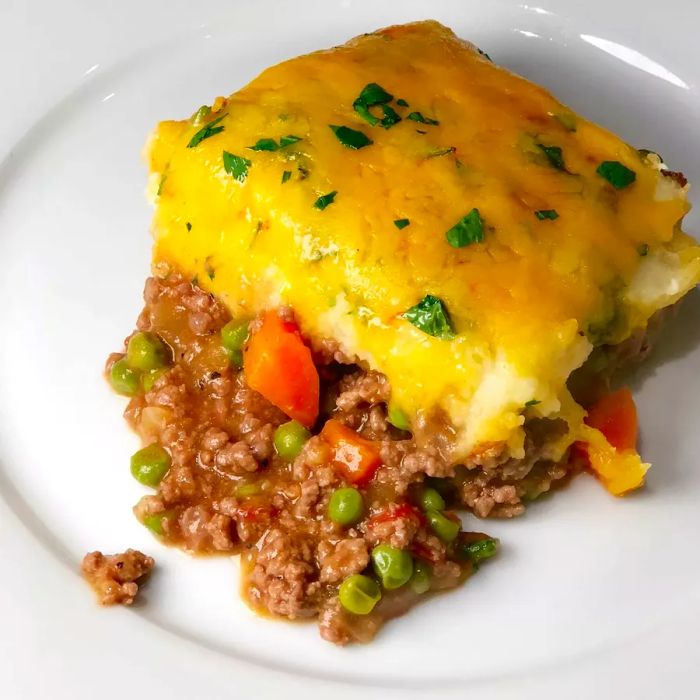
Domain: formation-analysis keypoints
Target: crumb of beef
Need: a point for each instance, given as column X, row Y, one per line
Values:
column 342, row 559
column 284, row 570
column 362, row 388
column 115, row 577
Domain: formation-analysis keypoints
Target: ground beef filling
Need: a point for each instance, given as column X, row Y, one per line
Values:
column 115, row 577
column 227, row 490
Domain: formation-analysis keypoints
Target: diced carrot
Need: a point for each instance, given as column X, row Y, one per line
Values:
column 352, row 456
column 609, row 447
column 278, row 364
column 615, row 415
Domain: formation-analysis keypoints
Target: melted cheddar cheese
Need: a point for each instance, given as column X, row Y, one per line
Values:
column 527, row 303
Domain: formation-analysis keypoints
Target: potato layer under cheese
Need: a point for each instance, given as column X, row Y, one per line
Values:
column 561, row 255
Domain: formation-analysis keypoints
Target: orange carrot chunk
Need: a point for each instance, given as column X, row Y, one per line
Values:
column 352, row 456
column 278, row 365
column 615, row 415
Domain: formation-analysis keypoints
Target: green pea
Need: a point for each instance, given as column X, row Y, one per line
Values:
column 430, row 499
column 289, row 438
column 443, row 486
column 359, row 594
column 146, row 351
column 124, row 379
column 420, row 581
column 150, row 464
column 393, row 566
column 397, row 417
column 148, row 379
column 248, row 490
column 233, row 337
column 446, row 529
column 346, row 506
column 478, row 551
column 155, row 522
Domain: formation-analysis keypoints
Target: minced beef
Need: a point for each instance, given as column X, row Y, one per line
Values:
column 115, row 577
column 228, row 491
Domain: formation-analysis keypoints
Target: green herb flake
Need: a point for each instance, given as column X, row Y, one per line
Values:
column 391, row 117
column 554, row 156
column 484, row 54
column 324, row 200
column 350, row 138
column 265, row 145
column 567, row 120
column 435, row 153
column 431, row 316
column 201, row 114
column 469, row 229
column 643, row 250
column 236, row 166
column 288, row 140
column 401, row 223
column 550, row 214
column 286, row 175
column 206, row 131
column 618, row 175
column 531, row 402
column 161, row 184
column 402, row 103
column 418, row 117
column 188, row 226
column 373, row 95
column 272, row 145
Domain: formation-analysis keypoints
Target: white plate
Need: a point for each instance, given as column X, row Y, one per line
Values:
column 591, row 596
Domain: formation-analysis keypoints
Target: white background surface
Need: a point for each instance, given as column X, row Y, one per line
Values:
column 591, row 596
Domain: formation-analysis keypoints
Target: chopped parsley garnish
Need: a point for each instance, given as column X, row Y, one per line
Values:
column 272, row 145
column 567, row 120
column 431, row 316
column 288, row 140
column 531, row 402
column 324, row 200
column 554, row 156
column 265, row 145
column 550, row 214
column 618, row 175
column 401, row 223
column 374, row 95
column 286, row 175
column 391, row 117
column 469, row 229
column 441, row 152
column 351, row 138
column 402, row 103
column 418, row 117
column 209, row 269
column 237, row 166
column 161, row 184
column 188, row 225
column 201, row 114
column 643, row 250
column 484, row 54
column 206, row 131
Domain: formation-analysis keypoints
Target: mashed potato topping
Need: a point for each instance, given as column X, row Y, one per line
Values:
column 448, row 223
